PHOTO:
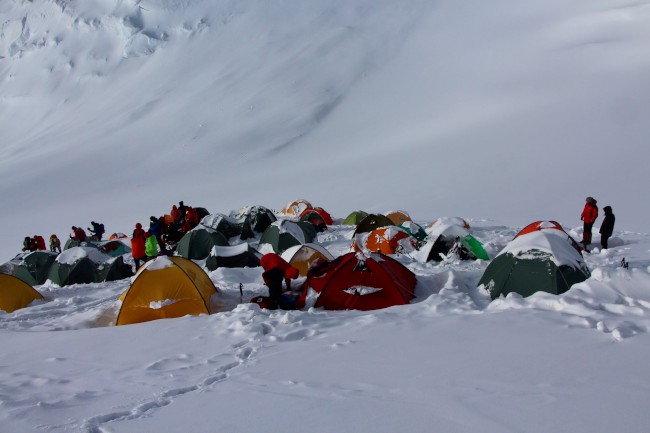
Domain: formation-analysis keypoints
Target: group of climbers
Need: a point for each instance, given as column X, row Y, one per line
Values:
column 163, row 233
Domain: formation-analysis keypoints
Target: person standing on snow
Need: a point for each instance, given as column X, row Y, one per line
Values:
column 588, row 216
column 138, row 246
column 607, row 227
column 55, row 244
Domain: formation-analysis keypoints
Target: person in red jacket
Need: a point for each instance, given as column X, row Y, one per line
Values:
column 588, row 216
column 138, row 246
column 176, row 214
column 40, row 242
column 277, row 270
column 78, row 234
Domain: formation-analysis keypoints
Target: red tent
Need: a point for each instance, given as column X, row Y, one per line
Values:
column 327, row 219
column 358, row 282
column 540, row 225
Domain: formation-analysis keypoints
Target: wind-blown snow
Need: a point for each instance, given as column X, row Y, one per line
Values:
column 502, row 112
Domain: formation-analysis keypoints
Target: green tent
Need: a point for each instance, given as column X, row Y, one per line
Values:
column 113, row 270
column 541, row 261
column 355, row 218
column 197, row 243
column 73, row 266
column 225, row 225
column 414, row 230
column 31, row 267
column 371, row 222
column 284, row 234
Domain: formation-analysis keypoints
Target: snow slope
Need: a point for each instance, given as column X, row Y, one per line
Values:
column 114, row 110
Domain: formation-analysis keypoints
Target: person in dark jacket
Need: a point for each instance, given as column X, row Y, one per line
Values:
column 29, row 244
column 607, row 227
column 97, row 230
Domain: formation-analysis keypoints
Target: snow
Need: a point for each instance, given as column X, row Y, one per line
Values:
column 230, row 251
column 504, row 112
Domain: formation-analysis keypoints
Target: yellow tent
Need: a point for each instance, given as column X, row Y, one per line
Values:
column 302, row 257
column 15, row 294
column 166, row 287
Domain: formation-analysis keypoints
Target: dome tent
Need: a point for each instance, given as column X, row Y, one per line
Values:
column 74, row 266
column 355, row 218
column 307, row 214
column 31, row 267
column 296, row 208
column 447, row 237
column 198, row 242
column 236, row 256
column 284, row 234
column 386, row 240
column 15, row 293
column 398, row 217
column 303, row 257
column 167, row 287
column 253, row 220
column 225, row 225
column 113, row 270
column 542, row 260
column 371, row 222
column 356, row 281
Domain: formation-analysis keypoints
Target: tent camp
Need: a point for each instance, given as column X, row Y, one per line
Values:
column 445, row 221
column 15, row 293
column 201, row 212
column 236, row 256
column 450, row 238
column 31, row 267
column 296, row 208
column 167, row 287
column 117, row 235
column 371, row 222
column 386, row 240
column 356, row 281
column 303, row 257
column 544, row 260
column 253, row 220
column 284, row 234
column 227, row 226
column 75, row 266
column 398, row 217
column 198, row 242
column 355, row 218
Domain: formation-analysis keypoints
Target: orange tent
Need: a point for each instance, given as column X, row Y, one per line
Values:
column 398, row 217
column 386, row 240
